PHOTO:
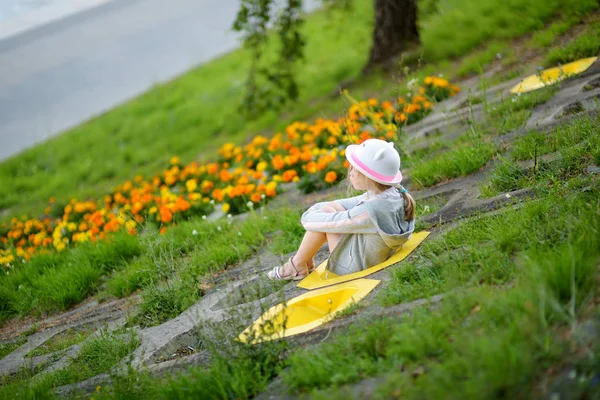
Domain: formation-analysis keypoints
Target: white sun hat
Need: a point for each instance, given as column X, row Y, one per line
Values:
column 376, row 159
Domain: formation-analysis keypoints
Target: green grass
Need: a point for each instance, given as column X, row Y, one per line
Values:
column 476, row 62
column 486, row 20
column 585, row 45
column 576, row 144
column 453, row 163
column 513, row 112
column 7, row 348
column 462, row 346
column 515, row 282
column 546, row 37
column 62, row 341
column 472, row 150
column 56, row 281
column 195, row 113
column 96, row 356
column 174, row 283
column 168, row 268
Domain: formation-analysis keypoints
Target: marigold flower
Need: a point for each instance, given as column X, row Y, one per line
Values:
column 278, row 162
column 166, row 215
column 226, row 207
column 256, row 197
column 191, row 185
column 289, row 175
column 330, row 177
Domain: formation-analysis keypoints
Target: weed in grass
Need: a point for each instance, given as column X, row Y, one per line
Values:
column 136, row 275
column 163, row 302
column 62, row 341
column 512, row 113
column 453, row 163
column 7, row 348
column 577, row 144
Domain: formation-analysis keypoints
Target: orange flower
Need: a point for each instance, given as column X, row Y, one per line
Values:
column 218, row 195
column 400, row 117
column 206, row 186
column 255, row 197
column 182, row 204
column 212, row 168
column 278, row 162
column 166, row 215
column 311, row 167
column 225, row 176
column 330, row 177
column 289, row 175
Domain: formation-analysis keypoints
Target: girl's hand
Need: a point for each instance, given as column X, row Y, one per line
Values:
column 332, row 206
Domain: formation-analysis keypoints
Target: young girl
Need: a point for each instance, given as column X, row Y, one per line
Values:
column 360, row 231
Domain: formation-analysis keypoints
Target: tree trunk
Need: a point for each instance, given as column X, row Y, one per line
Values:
column 395, row 29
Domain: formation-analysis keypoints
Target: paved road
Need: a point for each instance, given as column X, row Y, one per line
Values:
column 61, row 74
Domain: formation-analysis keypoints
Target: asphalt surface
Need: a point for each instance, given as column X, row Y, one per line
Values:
column 58, row 75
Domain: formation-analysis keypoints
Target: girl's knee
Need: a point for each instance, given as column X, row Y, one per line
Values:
column 328, row 209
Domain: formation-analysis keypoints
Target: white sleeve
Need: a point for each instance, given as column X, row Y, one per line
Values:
column 352, row 202
column 355, row 220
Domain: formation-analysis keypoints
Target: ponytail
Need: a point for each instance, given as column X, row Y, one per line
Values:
column 409, row 202
column 409, row 206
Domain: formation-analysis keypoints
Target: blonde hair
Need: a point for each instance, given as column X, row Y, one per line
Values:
column 409, row 202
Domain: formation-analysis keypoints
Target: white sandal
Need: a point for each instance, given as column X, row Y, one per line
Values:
column 275, row 273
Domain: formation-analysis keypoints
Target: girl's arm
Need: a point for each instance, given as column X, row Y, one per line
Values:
column 340, row 204
column 355, row 220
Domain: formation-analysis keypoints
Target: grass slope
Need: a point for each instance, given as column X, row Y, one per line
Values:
column 195, row 113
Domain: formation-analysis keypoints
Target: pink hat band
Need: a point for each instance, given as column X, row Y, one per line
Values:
column 370, row 171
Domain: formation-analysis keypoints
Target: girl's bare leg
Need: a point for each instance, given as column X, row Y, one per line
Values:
column 311, row 243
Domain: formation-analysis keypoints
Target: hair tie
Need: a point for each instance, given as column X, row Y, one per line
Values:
column 402, row 189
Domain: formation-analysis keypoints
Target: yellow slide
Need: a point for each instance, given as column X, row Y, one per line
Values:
column 552, row 75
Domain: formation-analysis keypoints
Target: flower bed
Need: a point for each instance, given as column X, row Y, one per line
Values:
column 242, row 178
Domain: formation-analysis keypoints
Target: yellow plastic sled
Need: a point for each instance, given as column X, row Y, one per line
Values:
column 306, row 311
column 320, row 277
column 552, row 75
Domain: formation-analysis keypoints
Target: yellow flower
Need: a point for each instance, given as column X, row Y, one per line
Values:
column 175, row 160
column 191, row 185
column 153, row 210
column 226, row 207
column 72, row 226
column 261, row 166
